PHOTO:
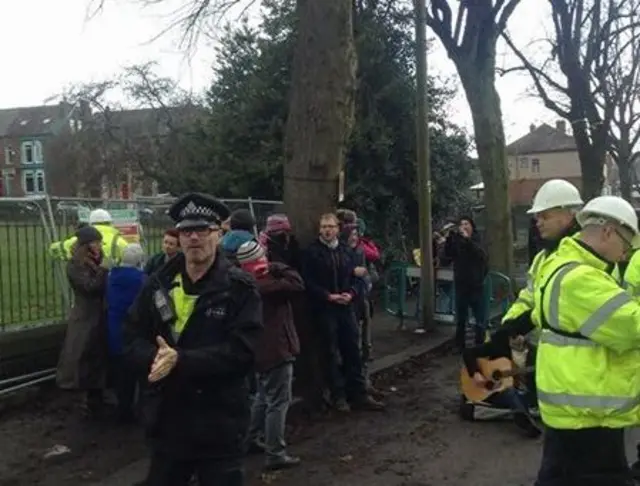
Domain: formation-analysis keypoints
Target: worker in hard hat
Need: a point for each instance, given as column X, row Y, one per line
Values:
column 628, row 272
column 587, row 364
column 113, row 244
column 554, row 208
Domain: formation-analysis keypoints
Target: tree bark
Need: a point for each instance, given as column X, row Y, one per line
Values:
column 478, row 81
column 592, row 150
column 321, row 111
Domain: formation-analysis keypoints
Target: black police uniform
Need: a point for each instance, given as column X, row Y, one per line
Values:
column 197, row 417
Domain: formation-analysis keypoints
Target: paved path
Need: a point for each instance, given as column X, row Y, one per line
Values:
column 419, row 441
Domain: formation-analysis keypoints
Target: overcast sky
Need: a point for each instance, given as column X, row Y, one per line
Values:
column 48, row 45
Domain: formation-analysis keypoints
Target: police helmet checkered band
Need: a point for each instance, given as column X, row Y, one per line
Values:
column 191, row 211
column 198, row 210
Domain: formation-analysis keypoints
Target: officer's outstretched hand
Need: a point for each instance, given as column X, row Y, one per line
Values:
column 165, row 360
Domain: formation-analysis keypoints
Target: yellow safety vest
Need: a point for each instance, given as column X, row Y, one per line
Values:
column 183, row 304
column 113, row 245
column 631, row 279
column 589, row 350
column 524, row 302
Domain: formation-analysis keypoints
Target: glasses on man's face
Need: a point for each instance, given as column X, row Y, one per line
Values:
column 627, row 243
column 200, row 232
column 328, row 226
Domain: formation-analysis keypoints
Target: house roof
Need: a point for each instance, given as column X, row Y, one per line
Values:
column 32, row 120
column 542, row 139
column 146, row 120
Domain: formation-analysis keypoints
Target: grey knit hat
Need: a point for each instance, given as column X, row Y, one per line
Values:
column 250, row 252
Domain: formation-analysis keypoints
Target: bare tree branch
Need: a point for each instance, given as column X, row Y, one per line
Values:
column 191, row 18
column 590, row 47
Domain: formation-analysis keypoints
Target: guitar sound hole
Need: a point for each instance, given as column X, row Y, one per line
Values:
column 490, row 385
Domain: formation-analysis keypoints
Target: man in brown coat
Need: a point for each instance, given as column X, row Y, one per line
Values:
column 275, row 353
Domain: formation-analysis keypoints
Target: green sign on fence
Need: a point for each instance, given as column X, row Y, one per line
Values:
column 119, row 216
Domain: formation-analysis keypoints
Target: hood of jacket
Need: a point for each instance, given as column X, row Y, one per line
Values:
column 234, row 239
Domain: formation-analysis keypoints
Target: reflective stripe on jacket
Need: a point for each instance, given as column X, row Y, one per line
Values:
column 587, row 362
column 524, row 302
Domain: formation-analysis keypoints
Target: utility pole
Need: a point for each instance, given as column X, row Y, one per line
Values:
column 424, row 170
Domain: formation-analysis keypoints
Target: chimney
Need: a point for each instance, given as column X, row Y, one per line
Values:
column 532, row 127
column 561, row 126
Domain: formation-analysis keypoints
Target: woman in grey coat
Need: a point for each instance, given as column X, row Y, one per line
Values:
column 83, row 360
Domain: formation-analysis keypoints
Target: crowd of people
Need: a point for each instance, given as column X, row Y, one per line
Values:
column 201, row 342
column 213, row 332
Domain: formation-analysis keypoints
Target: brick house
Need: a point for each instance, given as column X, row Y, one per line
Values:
column 544, row 153
column 24, row 133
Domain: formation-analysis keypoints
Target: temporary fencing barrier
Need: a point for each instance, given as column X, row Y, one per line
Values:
column 33, row 287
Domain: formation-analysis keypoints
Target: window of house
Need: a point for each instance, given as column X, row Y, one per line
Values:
column 524, row 163
column 27, row 153
column 8, row 155
column 37, row 151
column 535, row 165
column 33, row 181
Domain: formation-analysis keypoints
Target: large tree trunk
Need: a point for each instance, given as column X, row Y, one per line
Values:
column 592, row 152
column 320, row 120
column 484, row 101
column 321, row 111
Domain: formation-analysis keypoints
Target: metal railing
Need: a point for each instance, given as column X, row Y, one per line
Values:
column 33, row 287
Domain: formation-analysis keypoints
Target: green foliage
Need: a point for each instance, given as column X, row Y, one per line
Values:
column 248, row 105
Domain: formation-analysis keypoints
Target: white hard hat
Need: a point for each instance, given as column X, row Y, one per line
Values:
column 556, row 193
column 98, row 216
column 611, row 208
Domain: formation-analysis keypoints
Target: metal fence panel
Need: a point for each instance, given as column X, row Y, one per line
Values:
column 33, row 288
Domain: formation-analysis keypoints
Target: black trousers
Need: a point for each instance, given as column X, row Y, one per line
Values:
column 167, row 471
column 470, row 299
column 585, row 457
column 125, row 387
column 345, row 375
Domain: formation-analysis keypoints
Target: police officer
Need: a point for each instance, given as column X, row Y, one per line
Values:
column 554, row 207
column 191, row 335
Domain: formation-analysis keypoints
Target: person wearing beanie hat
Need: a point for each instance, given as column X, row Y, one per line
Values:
column 252, row 258
column 280, row 242
column 124, row 285
column 275, row 355
column 242, row 225
column 242, row 219
column 83, row 361
column 88, row 234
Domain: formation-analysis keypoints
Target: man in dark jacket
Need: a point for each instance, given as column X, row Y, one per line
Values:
column 329, row 274
column 470, row 267
column 170, row 248
column 191, row 337
column 275, row 354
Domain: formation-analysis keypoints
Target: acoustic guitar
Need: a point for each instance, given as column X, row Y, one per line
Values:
column 499, row 374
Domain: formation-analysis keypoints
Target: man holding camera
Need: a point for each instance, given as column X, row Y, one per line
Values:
column 470, row 267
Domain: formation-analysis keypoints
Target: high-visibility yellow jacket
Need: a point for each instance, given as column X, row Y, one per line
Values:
column 113, row 245
column 524, row 302
column 589, row 349
column 631, row 278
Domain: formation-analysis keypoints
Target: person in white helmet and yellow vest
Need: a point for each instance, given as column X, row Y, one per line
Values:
column 554, row 208
column 587, row 378
column 587, row 368
column 113, row 244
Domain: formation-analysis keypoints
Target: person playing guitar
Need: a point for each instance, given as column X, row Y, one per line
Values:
column 521, row 397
